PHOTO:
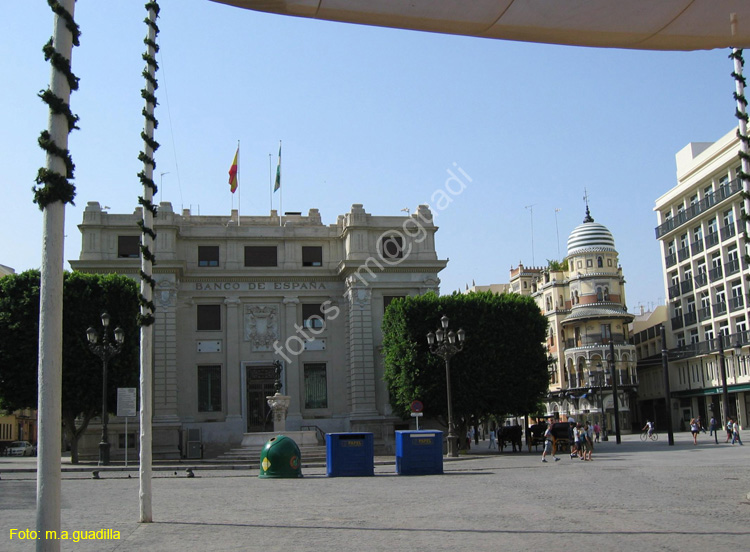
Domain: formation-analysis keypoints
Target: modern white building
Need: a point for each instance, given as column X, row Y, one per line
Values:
column 234, row 294
column 704, row 262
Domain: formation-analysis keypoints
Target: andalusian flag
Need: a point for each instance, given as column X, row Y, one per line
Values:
column 233, row 179
column 277, row 185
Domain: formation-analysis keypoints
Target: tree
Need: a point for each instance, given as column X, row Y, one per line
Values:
column 502, row 369
column 85, row 297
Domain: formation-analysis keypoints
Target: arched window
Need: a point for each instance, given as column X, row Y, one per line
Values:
column 606, row 294
column 599, row 262
column 599, row 294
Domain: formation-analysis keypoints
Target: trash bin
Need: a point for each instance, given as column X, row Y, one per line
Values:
column 280, row 458
column 419, row 452
column 349, row 454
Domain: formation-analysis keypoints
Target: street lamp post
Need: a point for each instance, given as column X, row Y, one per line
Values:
column 105, row 351
column 723, row 370
column 598, row 377
column 667, row 390
column 443, row 344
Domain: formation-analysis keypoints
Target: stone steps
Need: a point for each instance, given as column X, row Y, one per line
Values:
column 251, row 455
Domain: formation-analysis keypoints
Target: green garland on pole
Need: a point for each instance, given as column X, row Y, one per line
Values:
column 50, row 185
column 146, row 317
column 743, row 119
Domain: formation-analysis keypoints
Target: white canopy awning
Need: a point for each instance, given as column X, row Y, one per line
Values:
column 635, row 24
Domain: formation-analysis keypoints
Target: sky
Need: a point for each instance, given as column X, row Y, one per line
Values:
column 368, row 115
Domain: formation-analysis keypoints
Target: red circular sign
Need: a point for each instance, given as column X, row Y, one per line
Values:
column 417, row 406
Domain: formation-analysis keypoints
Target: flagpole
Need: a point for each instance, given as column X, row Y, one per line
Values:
column 281, row 192
column 239, row 199
column 270, row 182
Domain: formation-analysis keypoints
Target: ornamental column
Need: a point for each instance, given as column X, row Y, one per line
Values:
column 232, row 345
column 361, row 353
column 291, row 346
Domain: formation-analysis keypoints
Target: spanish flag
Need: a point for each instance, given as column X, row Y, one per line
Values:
column 233, row 179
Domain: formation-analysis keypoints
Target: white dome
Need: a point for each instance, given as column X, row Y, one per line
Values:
column 590, row 236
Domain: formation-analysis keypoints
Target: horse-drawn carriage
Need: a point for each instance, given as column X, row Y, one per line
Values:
column 510, row 435
column 560, row 434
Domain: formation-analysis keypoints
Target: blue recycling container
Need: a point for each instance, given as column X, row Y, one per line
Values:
column 350, row 454
column 419, row 452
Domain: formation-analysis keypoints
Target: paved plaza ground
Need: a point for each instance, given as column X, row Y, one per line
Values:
column 633, row 496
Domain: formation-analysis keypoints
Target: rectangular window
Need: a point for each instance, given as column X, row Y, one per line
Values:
column 312, row 316
column 312, row 256
column 209, row 388
column 128, row 247
column 392, row 247
column 316, row 387
column 208, row 255
column 388, row 299
column 260, row 255
column 208, row 318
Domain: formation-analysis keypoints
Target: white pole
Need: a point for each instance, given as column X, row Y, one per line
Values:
column 126, row 441
column 147, row 328
column 742, row 131
column 48, row 482
column 270, row 182
column 239, row 200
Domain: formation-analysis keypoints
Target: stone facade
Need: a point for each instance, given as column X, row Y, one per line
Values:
column 234, row 294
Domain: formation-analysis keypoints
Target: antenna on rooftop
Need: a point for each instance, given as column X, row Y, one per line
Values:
column 557, row 229
column 531, row 211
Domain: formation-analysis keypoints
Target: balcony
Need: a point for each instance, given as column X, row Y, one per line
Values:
column 690, row 318
column 736, row 303
column 704, row 313
column 701, row 279
column 677, row 322
column 674, row 291
column 712, row 238
column 697, row 246
column 715, row 273
column 720, row 308
column 724, row 192
column 686, row 285
column 595, row 340
column 732, row 267
column 728, row 231
column 683, row 253
column 670, row 260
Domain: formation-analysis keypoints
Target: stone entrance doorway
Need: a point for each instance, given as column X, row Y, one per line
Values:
column 260, row 381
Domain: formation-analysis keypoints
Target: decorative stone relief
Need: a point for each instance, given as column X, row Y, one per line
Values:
column 261, row 326
column 165, row 293
column 360, row 297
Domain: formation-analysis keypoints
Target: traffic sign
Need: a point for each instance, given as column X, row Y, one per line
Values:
column 417, row 406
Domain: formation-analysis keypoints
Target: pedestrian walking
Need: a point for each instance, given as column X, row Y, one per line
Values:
column 549, row 444
column 736, row 433
column 694, row 429
column 597, row 430
column 493, row 444
column 700, row 424
column 729, row 429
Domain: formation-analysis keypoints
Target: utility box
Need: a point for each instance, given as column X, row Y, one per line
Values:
column 350, row 454
column 419, row 452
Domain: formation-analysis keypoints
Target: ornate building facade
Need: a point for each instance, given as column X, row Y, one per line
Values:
column 234, row 294
column 592, row 362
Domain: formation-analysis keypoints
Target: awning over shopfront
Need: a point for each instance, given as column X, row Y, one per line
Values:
column 635, row 24
column 709, row 391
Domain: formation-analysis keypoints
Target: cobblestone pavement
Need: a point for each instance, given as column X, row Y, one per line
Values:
column 633, row 496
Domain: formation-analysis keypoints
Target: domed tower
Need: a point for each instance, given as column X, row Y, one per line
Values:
column 594, row 328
